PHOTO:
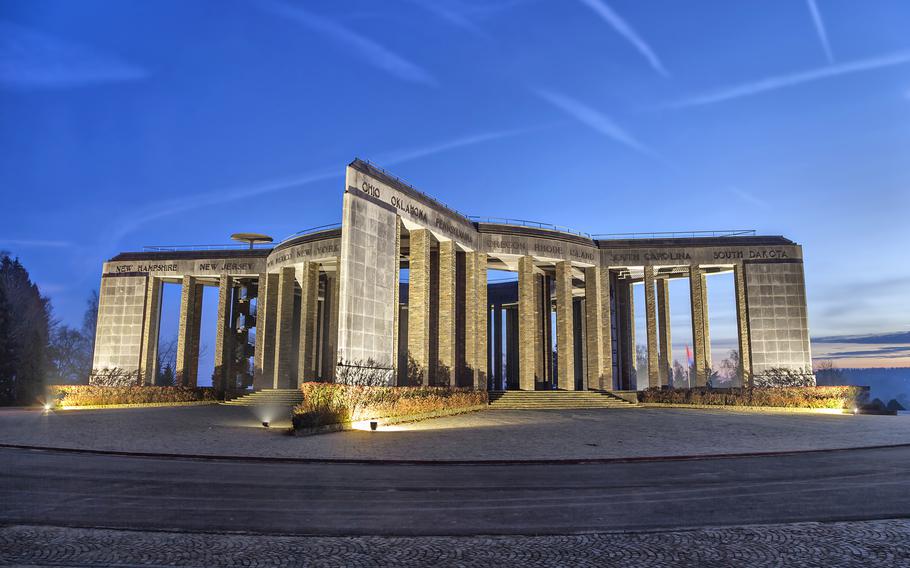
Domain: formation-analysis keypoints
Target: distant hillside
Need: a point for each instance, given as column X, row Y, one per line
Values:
column 884, row 383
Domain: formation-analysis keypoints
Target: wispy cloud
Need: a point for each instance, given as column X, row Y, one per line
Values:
column 621, row 27
column 783, row 81
column 750, row 198
column 820, row 28
column 593, row 119
column 452, row 15
column 31, row 60
column 373, row 53
column 32, row 243
column 408, row 154
column 168, row 208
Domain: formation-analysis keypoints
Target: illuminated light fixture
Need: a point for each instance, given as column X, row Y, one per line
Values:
column 855, row 411
column 373, row 425
column 265, row 423
column 47, row 406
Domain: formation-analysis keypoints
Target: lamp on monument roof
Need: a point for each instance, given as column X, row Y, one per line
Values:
column 251, row 238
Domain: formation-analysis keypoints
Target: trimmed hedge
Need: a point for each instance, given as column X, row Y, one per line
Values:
column 95, row 395
column 788, row 397
column 330, row 403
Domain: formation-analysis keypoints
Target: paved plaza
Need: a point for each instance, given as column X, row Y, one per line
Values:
column 860, row 544
column 486, row 435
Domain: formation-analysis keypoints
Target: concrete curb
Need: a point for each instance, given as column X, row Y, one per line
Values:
column 728, row 408
column 379, row 462
column 387, row 420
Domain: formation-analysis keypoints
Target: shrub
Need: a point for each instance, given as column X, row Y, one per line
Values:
column 790, row 397
column 332, row 403
column 95, row 395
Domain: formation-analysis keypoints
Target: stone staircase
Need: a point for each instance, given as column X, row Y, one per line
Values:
column 555, row 399
column 269, row 397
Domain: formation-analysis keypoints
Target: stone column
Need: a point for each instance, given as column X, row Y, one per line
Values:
column 188, row 332
column 331, row 305
column 224, row 338
column 285, row 361
column 497, row 347
column 419, row 305
column 309, row 299
column 742, row 326
column 699, row 330
column 626, row 330
column 597, row 329
column 266, row 312
column 565, row 327
column 482, row 306
column 445, row 332
column 709, row 361
column 651, row 328
column 148, row 363
column 512, row 348
column 663, row 317
column 527, row 324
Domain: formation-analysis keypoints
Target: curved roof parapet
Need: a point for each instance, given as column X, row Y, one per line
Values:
column 706, row 241
column 543, row 231
column 329, row 231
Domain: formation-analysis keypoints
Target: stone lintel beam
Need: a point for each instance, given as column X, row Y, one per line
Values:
column 148, row 364
column 565, row 326
column 419, row 306
column 666, row 344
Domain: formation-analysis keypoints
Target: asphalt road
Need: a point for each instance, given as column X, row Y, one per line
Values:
column 65, row 489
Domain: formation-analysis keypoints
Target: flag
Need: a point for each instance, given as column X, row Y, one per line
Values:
column 689, row 358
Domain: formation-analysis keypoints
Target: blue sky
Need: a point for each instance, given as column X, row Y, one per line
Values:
column 127, row 123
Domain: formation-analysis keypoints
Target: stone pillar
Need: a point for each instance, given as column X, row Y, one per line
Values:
column 266, row 315
column 445, row 331
column 482, row 307
column 565, row 327
column 709, row 361
column 309, row 311
column 224, row 338
column 742, row 326
column 512, row 367
column 700, row 337
column 527, row 324
column 188, row 332
column 597, row 330
column 331, row 306
column 148, row 363
column 666, row 344
column 651, row 328
column 285, row 367
column 497, row 347
column 398, row 309
column 419, row 306
column 626, row 331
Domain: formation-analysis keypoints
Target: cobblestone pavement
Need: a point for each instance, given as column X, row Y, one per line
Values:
column 862, row 543
column 486, row 435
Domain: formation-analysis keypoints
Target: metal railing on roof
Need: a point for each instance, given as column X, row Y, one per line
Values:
column 231, row 246
column 411, row 187
column 677, row 234
column 527, row 223
column 311, row 230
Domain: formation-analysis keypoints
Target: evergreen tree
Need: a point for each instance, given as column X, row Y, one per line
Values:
column 25, row 337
